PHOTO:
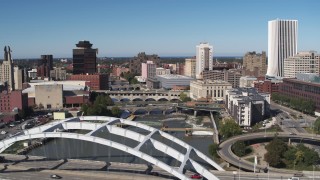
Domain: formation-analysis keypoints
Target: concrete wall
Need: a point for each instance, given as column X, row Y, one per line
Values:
column 49, row 95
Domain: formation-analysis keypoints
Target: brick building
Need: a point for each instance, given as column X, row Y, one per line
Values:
column 10, row 101
column 301, row 89
column 96, row 81
column 267, row 86
column 135, row 63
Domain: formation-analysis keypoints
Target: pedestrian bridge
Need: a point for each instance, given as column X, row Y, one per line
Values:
column 151, row 95
column 101, row 123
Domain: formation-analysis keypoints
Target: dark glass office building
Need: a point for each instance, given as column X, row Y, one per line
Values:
column 84, row 58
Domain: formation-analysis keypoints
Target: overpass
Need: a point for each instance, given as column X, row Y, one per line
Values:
column 151, row 95
column 93, row 123
column 226, row 153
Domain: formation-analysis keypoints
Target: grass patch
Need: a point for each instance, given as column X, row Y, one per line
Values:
column 14, row 148
column 251, row 159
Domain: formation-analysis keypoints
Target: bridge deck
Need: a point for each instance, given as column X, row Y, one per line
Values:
column 187, row 129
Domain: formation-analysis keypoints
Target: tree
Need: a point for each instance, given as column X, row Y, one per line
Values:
column 239, row 148
column 213, row 148
column 229, row 128
column 184, row 97
column 276, row 150
column 273, row 158
column 116, row 111
column 316, row 126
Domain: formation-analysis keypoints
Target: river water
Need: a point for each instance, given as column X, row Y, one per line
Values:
column 76, row 149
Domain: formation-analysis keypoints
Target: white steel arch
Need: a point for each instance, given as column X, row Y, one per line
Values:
column 86, row 123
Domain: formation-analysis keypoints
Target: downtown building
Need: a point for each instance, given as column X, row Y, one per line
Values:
column 209, row 89
column 232, row 76
column 303, row 62
column 135, row 63
column 190, row 67
column 204, row 61
column 255, row 64
column 84, row 58
column 282, row 43
column 247, row 106
column 45, row 65
column 7, row 70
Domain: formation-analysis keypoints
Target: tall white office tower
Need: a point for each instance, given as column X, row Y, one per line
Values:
column 204, row 59
column 282, row 43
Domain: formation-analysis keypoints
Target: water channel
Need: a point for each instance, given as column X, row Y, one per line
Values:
column 76, row 149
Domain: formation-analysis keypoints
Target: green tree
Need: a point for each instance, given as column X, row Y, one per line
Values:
column 239, row 148
column 316, row 126
column 213, row 149
column 229, row 128
column 276, row 150
column 273, row 158
column 184, row 97
column 116, row 111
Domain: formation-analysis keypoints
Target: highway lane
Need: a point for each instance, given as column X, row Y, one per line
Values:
column 226, row 153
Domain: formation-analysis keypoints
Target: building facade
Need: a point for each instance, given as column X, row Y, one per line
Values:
column 170, row 80
column 45, row 65
column 162, row 71
column 303, row 62
column 190, row 67
column 282, row 43
column 148, row 69
column 247, row 81
column 84, row 58
column 209, row 89
column 232, row 76
column 117, row 71
column 14, row 100
column 58, row 74
column 255, row 64
column 135, row 63
column 96, row 81
column 267, row 86
column 301, row 89
column 6, row 70
column 204, row 61
column 18, row 78
column 247, row 106
column 49, row 96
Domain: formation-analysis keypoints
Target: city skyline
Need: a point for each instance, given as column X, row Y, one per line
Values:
column 167, row 28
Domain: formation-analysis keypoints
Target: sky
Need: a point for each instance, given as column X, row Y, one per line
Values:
column 120, row 28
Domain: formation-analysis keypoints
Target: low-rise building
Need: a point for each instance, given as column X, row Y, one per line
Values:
column 13, row 101
column 162, row 71
column 232, row 76
column 169, row 80
column 267, row 85
column 304, row 90
column 247, row 81
column 49, row 96
column 97, row 81
column 247, row 106
column 58, row 74
column 209, row 89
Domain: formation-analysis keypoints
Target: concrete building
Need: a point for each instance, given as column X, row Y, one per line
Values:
column 49, row 96
column 247, row 106
column 6, row 69
column 303, row 62
column 162, row 71
column 301, row 89
column 170, row 80
column 190, row 67
column 255, row 64
column 95, row 81
column 58, row 74
column 135, row 63
column 32, row 74
column 13, row 101
column 153, row 83
column 84, row 58
column 45, row 65
column 209, row 89
column 18, row 78
column 232, row 76
column 282, row 43
column 247, row 81
column 204, row 61
column 148, row 69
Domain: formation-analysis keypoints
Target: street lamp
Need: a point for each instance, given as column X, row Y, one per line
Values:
column 234, row 175
column 239, row 167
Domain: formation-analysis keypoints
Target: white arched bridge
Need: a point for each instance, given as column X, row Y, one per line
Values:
column 98, row 123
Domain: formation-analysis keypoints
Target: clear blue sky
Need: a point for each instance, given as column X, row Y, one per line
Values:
column 163, row 27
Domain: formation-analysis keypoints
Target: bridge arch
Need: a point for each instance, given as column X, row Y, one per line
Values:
column 175, row 100
column 137, row 99
column 124, row 100
column 85, row 122
column 140, row 112
column 163, row 99
column 150, row 99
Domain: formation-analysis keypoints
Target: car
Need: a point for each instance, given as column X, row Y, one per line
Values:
column 196, row 176
column 3, row 132
column 55, row 176
column 293, row 134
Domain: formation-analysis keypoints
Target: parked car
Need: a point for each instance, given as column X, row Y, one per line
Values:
column 55, row 176
column 196, row 176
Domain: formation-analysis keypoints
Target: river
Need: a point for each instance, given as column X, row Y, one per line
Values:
column 76, row 149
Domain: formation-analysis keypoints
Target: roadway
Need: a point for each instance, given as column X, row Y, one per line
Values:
column 226, row 153
column 71, row 169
